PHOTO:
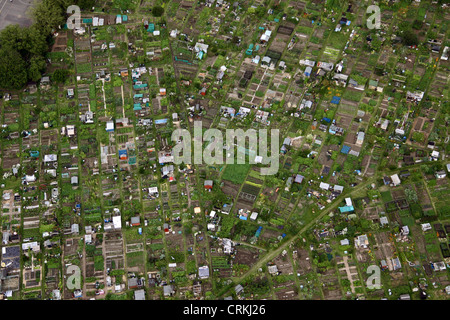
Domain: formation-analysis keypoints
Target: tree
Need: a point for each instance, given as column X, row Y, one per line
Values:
column 37, row 66
column 157, row 11
column 409, row 38
column 417, row 24
column 13, row 70
column 85, row 4
column 23, row 49
column 60, row 75
column 28, row 42
column 49, row 15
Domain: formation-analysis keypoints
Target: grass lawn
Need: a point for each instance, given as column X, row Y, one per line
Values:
column 84, row 68
column 337, row 40
column 135, row 259
column 236, row 173
column 386, row 196
column 353, row 95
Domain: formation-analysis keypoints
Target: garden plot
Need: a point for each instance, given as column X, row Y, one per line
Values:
column 350, row 138
column 135, row 262
column 269, row 234
column 421, row 129
column 331, row 53
column 243, row 203
column 324, row 159
column 175, row 238
column 371, row 213
column 280, row 81
column 270, row 194
column 362, row 67
column 82, row 45
column 407, row 63
column 368, row 165
column 249, row 192
column 90, row 271
column 350, row 63
column 330, row 286
column 292, row 99
column 100, row 58
column 201, row 254
column 313, row 51
column 70, row 247
column 298, row 5
column 422, row 194
column 83, row 95
column 384, row 55
column 9, row 158
column 31, row 222
column 279, row 43
column 439, row 85
column 246, row 255
column 60, row 44
column 383, row 248
column 288, row 293
column 49, row 137
column 114, row 253
column 174, row 195
column 230, row 189
column 284, row 264
column 84, row 66
column 282, row 204
column 10, row 116
column 52, row 278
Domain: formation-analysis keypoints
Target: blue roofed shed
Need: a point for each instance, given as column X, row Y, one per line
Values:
column 345, row 149
column 345, row 209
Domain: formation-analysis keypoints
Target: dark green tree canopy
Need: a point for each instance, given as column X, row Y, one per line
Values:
column 157, row 11
column 13, row 70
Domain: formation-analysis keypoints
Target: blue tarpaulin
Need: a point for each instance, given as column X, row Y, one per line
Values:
column 336, row 100
column 140, row 86
column 160, row 121
column 345, row 149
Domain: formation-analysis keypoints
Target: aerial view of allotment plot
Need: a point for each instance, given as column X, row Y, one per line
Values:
column 224, row 150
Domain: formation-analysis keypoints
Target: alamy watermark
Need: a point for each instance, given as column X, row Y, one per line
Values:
column 374, row 280
column 74, row 21
column 374, row 21
column 213, row 153
column 73, row 282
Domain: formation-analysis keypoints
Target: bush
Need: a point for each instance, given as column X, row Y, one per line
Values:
column 60, row 75
column 409, row 38
column 157, row 11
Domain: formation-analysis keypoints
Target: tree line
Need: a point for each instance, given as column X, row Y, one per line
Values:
column 23, row 50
